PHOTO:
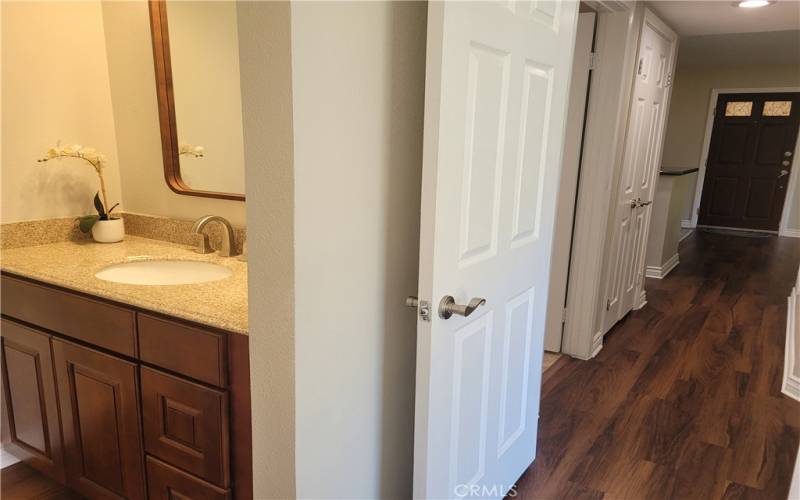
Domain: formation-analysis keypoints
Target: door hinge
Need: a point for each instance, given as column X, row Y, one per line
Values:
column 641, row 64
column 593, row 60
column 564, row 315
column 669, row 79
column 608, row 304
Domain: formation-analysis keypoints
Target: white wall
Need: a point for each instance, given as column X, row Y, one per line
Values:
column 265, row 54
column 133, row 90
column 55, row 86
column 358, row 73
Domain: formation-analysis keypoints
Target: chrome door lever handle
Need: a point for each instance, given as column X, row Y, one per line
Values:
column 644, row 203
column 448, row 307
column 634, row 202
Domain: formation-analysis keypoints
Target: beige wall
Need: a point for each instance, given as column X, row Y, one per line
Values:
column 265, row 41
column 83, row 73
column 358, row 73
column 133, row 91
column 204, row 48
column 54, row 87
column 689, row 109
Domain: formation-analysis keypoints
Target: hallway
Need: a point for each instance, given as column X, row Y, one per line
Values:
column 684, row 400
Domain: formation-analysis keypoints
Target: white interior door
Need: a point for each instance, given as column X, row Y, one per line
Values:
column 568, row 185
column 495, row 108
column 641, row 163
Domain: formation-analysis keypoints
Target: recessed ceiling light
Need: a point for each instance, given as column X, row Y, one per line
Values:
column 751, row 4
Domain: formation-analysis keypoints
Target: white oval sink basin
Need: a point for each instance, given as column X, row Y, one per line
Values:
column 163, row 272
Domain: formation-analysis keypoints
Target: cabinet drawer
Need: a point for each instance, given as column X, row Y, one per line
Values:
column 165, row 482
column 186, row 424
column 196, row 353
column 95, row 322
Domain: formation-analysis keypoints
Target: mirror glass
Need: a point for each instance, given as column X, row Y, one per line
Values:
column 196, row 49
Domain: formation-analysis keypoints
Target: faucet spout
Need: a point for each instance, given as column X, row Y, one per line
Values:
column 227, row 249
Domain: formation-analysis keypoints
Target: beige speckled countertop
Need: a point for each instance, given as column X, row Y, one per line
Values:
column 73, row 264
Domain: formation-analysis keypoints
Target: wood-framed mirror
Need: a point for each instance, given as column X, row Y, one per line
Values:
column 199, row 97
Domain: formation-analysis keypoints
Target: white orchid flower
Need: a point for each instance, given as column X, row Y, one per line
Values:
column 90, row 155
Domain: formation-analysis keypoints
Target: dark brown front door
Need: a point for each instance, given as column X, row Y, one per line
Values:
column 749, row 160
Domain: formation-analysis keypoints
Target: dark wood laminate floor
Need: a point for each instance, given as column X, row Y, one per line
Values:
column 20, row 482
column 684, row 401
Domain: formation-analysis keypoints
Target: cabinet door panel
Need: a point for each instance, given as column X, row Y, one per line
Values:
column 101, row 422
column 29, row 399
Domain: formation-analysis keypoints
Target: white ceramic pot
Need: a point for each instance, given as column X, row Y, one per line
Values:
column 108, row 231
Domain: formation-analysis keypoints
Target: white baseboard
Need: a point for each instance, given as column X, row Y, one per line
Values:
column 597, row 345
column 687, row 224
column 791, row 382
column 686, row 234
column 790, row 233
column 642, row 301
column 661, row 272
column 7, row 459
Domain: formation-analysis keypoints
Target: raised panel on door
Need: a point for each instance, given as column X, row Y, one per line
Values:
column 30, row 406
column 101, row 422
column 617, row 283
column 771, row 140
column 760, row 199
column 722, row 196
column 733, row 144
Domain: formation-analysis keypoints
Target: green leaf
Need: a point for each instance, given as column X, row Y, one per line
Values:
column 98, row 205
column 112, row 208
column 86, row 222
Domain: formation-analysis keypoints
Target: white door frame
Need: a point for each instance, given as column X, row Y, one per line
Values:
column 616, row 44
column 701, row 173
column 568, row 183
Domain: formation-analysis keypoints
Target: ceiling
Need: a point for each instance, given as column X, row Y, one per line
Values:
column 769, row 47
column 691, row 18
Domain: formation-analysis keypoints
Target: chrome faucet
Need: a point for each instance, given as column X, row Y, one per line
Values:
column 228, row 239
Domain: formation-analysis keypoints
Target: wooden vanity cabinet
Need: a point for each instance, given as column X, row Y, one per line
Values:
column 165, row 482
column 186, row 424
column 100, row 416
column 30, row 410
column 118, row 402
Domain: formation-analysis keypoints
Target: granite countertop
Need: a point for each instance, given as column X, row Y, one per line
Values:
column 73, row 264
